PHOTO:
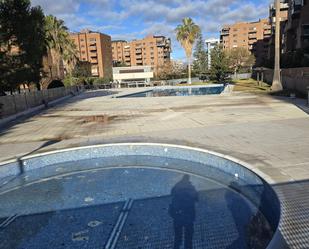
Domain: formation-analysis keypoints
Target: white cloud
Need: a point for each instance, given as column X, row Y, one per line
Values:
column 129, row 19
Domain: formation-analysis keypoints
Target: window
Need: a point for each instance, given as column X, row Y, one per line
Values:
column 306, row 31
column 92, row 39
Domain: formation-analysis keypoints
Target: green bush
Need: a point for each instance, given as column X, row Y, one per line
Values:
column 99, row 81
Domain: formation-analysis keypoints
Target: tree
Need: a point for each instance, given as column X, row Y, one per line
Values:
column 186, row 34
column 82, row 69
column 21, row 26
column 200, row 64
column 220, row 65
column 70, row 58
column 59, row 45
column 240, row 58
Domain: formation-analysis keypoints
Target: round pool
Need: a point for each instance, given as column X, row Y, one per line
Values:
column 134, row 196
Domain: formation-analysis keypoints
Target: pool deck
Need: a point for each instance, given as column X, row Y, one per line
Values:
column 271, row 134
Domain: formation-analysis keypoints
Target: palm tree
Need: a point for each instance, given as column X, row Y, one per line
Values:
column 70, row 56
column 186, row 34
column 59, row 45
column 277, row 85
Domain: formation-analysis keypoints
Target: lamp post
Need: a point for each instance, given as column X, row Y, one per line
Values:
column 277, row 85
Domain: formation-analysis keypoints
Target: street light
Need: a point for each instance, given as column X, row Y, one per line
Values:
column 277, row 85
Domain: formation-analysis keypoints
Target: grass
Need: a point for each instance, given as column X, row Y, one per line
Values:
column 250, row 85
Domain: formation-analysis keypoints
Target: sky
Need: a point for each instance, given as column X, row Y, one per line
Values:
column 134, row 19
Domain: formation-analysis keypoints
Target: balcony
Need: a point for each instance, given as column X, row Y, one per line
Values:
column 93, row 47
column 93, row 54
column 252, row 38
column 95, row 72
column 225, row 33
column 161, row 44
column 267, row 32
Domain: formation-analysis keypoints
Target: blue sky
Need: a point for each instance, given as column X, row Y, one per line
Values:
column 133, row 19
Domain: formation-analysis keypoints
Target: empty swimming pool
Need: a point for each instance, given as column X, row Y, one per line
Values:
column 134, row 196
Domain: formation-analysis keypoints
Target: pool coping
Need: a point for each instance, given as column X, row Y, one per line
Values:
column 277, row 240
column 255, row 170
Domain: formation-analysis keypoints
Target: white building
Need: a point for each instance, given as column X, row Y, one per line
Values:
column 210, row 44
column 141, row 74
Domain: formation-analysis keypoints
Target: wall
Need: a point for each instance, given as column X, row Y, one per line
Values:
column 292, row 78
column 13, row 104
column 241, row 76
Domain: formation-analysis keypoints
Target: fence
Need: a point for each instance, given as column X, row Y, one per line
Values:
column 241, row 76
column 14, row 104
column 292, row 78
column 179, row 81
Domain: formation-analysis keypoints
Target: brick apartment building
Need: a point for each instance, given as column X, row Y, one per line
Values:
column 153, row 51
column 95, row 48
column 284, row 10
column 297, row 26
column 253, row 36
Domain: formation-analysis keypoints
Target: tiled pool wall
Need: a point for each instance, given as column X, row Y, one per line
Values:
column 236, row 175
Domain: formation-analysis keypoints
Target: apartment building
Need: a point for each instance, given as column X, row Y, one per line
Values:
column 253, row 36
column 118, row 52
column 95, row 48
column 153, row 51
column 210, row 45
column 284, row 10
column 297, row 27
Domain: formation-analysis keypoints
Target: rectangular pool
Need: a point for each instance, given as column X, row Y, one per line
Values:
column 178, row 91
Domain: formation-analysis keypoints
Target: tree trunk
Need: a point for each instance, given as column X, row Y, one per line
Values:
column 189, row 71
column 276, row 85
